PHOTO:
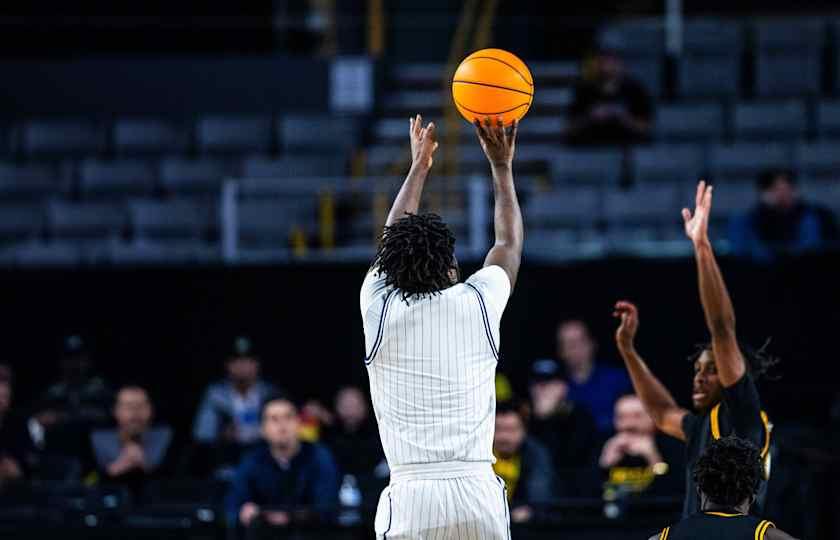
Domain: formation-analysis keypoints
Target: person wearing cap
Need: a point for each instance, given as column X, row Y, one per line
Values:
column 609, row 106
column 593, row 385
column 80, row 399
column 229, row 413
column 566, row 429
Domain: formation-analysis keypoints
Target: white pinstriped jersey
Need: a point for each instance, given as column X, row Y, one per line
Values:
column 432, row 366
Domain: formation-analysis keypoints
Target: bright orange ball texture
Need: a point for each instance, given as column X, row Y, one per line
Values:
column 493, row 82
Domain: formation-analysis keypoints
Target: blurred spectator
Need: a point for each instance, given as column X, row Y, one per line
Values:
column 567, row 430
column 79, row 399
column 134, row 450
column 15, row 442
column 592, row 385
column 781, row 222
column 278, row 481
column 609, row 106
column 523, row 463
column 228, row 417
column 637, row 459
column 353, row 436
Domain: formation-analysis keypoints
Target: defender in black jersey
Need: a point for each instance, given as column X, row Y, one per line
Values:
column 724, row 395
column 727, row 475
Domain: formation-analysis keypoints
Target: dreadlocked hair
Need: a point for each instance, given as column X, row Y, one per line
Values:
column 729, row 471
column 416, row 253
column 760, row 363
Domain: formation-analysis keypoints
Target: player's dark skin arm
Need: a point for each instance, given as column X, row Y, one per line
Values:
column 717, row 306
column 657, row 400
column 423, row 146
column 499, row 146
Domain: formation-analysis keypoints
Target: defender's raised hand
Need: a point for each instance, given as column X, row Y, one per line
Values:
column 625, row 334
column 497, row 142
column 697, row 225
column 423, row 143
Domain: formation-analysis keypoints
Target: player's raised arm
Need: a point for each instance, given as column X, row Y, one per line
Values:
column 499, row 145
column 717, row 306
column 658, row 402
column 423, row 146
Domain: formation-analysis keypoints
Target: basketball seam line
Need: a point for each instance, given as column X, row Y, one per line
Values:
column 493, row 86
column 490, row 113
column 507, row 64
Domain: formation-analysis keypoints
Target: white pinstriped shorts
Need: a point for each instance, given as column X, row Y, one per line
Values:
column 472, row 505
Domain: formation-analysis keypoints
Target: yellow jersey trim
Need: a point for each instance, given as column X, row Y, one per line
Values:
column 724, row 514
column 761, row 530
column 664, row 534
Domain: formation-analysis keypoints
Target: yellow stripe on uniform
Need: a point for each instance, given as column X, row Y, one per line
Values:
column 664, row 534
column 715, row 424
column 722, row 514
column 762, row 529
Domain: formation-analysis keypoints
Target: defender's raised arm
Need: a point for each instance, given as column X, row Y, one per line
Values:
column 423, row 146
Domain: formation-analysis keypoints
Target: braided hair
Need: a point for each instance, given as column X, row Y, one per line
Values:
column 729, row 471
column 417, row 253
column 759, row 362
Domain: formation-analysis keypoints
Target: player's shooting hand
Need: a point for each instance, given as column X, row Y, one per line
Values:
column 625, row 334
column 423, row 143
column 697, row 225
column 498, row 143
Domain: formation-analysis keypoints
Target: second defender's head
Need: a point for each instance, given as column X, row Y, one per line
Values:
column 417, row 255
column 707, row 390
column 728, row 474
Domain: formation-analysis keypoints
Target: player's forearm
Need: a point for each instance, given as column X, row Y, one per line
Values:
column 507, row 216
column 655, row 397
column 717, row 306
column 408, row 199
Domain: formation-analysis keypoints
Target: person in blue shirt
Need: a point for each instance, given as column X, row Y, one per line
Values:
column 284, row 479
column 782, row 222
column 592, row 385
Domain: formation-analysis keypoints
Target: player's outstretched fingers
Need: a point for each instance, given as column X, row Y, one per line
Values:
column 514, row 127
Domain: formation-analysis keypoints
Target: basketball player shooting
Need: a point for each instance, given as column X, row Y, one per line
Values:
column 432, row 348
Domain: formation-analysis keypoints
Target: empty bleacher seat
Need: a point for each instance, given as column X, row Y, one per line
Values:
column 596, row 166
column 85, row 221
column 258, row 187
column 20, row 222
column 649, row 205
column 700, row 122
column 317, row 133
column 576, row 207
column 193, row 176
column 777, row 121
column 667, row 163
column 116, row 179
column 823, row 193
column 819, row 161
column 828, row 119
column 711, row 59
column 28, row 182
column 287, row 166
column 649, row 72
column 744, row 161
column 146, row 252
column 140, row 136
column 35, row 254
column 61, row 138
column 234, row 134
column 789, row 59
column 538, row 128
column 264, row 224
column 172, row 219
column 634, row 37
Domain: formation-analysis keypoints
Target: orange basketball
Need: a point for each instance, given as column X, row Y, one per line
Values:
column 493, row 82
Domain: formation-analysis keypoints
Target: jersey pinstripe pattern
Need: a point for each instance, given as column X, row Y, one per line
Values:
column 432, row 365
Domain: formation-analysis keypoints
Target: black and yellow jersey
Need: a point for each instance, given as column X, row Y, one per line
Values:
column 717, row 525
column 739, row 413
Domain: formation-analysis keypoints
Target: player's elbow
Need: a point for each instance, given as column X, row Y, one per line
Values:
column 722, row 327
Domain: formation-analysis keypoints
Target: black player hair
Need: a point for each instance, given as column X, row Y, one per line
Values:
column 759, row 361
column 278, row 396
column 729, row 471
column 417, row 254
column 767, row 177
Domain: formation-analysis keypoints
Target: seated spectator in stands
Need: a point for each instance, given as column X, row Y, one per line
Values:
column 16, row 445
column 781, row 222
column 609, row 106
column 228, row 417
column 135, row 450
column 637, row 459
column 80, row 399
column 283, row 480
column 592, row 385
column 566, row 429
column 523, row 463
column 353, row 436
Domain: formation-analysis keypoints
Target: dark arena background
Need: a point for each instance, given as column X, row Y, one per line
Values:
column 187, row 195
